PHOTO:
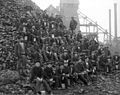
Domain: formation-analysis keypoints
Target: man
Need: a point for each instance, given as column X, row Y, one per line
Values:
column 79, row 36
column 109, row 64
column 20, row 52
column 37, row 79
column 75, row 57
column 66, row 74
column 72, row 76
column 100, row 50
column 116, row 60
column 60, row 74
column 73, row 24
column 102, row 62
column 107, row 51
column 48, row 71
column 56, row 77
column 93, row 59
column 65, row 56
column 88, row 69
column 79, row 69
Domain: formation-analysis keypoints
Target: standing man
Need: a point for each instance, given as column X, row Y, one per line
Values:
column 20, row 53
column 73, row 24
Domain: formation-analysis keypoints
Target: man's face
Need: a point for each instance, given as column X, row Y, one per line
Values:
column 76, row 54
column 80, row 60
column 65, row 53
column 93, row 54
column 87, row 59
column 109, row 60
column 66, row 64
column 49, row 65
column 61, row 67
column 37, row 64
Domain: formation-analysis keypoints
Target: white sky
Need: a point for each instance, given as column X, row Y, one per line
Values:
column 98, row 10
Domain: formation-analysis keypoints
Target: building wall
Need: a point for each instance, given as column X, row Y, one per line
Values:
column 68, row 9
column 69, row 1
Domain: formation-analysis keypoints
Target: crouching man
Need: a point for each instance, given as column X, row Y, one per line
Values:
column 37, row 80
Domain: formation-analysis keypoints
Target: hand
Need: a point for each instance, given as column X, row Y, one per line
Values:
column 87, row 70
column 67, row 75
column 40, row 79
column 63, row 73
column 51, row 79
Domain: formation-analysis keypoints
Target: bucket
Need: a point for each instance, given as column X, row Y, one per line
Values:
column 43, row 93
column 63, row 86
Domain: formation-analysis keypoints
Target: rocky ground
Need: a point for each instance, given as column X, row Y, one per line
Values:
column 105, row 85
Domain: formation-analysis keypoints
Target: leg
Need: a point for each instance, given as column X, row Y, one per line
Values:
column 46, row 86
column 81, row 77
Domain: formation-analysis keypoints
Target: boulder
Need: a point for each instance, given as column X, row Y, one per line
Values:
column 7, row 76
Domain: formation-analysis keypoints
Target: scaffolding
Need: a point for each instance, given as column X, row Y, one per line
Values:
column 88, row 26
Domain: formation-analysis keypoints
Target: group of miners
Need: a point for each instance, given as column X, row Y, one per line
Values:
column 56, row 56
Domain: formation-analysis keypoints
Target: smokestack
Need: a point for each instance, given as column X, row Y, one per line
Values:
column 115, row 19
column 110, row 25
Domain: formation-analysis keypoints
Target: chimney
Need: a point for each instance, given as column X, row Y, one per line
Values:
column 115, row 20
column 110, row 26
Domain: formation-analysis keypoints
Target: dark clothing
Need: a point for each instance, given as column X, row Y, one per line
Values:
column 20, row 53
column 66, row 70
column 79, row 68
column 35, row 83
column 102, row 63
column 19, row 50
column 36, row 72
column 88, row 65
column 65, row 57
column 56, row 78
column 75, row 58
column 116, row 58
column 49, row 72
column 93, row 60
column 73, row 24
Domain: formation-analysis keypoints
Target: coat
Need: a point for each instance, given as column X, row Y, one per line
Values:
column 19, row 51
column 36, row 72
column 73, row 24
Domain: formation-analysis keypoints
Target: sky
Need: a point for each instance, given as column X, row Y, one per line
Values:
column 97, row 10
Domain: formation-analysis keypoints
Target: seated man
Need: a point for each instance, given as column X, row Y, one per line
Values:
column 37, row 79
column 66, row 74
column 80, row 69
column 88, row 68
column 72, row 76
column 56, row 78
column 116, row 61
column 63, row 74
column 48, row 73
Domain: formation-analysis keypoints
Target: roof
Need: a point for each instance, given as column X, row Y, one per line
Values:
column 52, row 10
